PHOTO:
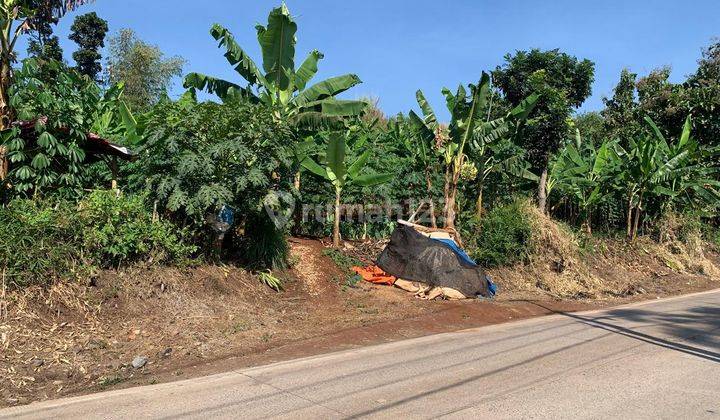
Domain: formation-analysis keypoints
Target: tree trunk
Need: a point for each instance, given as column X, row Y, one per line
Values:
column 336, row 227
column 297, row 216
column 6, row 112
column 448, row 207
column 542, row 190
column 428, row 179
column 587, row 223
column 636, row 222
column 479, row 203
column 628, row 230
column 450, row 214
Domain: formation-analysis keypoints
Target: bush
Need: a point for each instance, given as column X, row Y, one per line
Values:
column 121, row 229
column 41, row 243
column 197, row 158
column 53, row 160
column 505, row 236
column 264, row 245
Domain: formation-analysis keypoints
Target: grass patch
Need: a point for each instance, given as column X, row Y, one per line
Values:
column 108, row 381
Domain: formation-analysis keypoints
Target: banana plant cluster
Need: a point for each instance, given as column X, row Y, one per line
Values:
column 586, row 174
column 334, row 169
column 279, row 85
column 468, row 137
column 649, row 168
column 682, row 170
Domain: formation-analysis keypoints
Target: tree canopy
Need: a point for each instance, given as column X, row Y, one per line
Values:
column 88, row 32
column 563, row 83
column 143, row 68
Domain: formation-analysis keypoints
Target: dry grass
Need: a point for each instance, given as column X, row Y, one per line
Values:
column 603, row 268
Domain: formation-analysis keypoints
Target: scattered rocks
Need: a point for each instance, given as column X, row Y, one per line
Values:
column 139, row 362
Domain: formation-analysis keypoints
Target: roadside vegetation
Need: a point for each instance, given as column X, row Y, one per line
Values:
column 205, row 174
column 130, row 220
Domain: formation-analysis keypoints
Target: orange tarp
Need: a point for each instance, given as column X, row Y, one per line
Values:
column 374, row 274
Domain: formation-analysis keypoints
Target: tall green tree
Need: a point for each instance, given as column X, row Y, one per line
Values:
column 15, row 20
column 44, row 44
column 278, row 84
column 621, row 111
column 143, row 68
column 661, row 100
column 563, row 83
column 88, row 32
column 702, row 96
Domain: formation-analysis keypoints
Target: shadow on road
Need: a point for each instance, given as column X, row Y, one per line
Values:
column 696, row 325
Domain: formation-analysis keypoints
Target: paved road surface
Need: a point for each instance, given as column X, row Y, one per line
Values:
column 656, row 360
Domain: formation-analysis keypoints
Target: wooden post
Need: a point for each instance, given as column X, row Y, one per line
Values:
column 114, row 170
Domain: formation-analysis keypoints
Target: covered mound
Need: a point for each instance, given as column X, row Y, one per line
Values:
column 413, row 256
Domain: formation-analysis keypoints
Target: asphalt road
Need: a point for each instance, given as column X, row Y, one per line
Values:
column 655, row 360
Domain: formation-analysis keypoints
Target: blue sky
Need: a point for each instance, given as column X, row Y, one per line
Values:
column 397, row 47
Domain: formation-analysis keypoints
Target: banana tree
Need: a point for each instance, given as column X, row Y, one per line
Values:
column 467, row 126
column 652, row 166
column 279, row 85
column 15, row 20
column 451, row 146
column 491, row 148
column 335, row 170
column 586, row 174
column 423, row 147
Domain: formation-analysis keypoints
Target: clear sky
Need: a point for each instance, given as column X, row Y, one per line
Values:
column 399, row 46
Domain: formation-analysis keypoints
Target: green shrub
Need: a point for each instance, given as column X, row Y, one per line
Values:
column 198, row 157
column 121, row 229
column 264, row 245
column 505, row 236
column 41, row 242
column 65, row 107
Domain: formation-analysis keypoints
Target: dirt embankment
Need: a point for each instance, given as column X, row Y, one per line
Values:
column 146, row 325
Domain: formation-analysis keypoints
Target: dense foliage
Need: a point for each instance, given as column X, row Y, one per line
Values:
column 223, row 179
column 199, row 157
column 42, row 242
column 143, row 68
column 563, row 83
column 50, row 159
column 88, row 32
column 504, row 237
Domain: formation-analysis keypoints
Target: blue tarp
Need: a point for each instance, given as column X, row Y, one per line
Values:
column 466, row 258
